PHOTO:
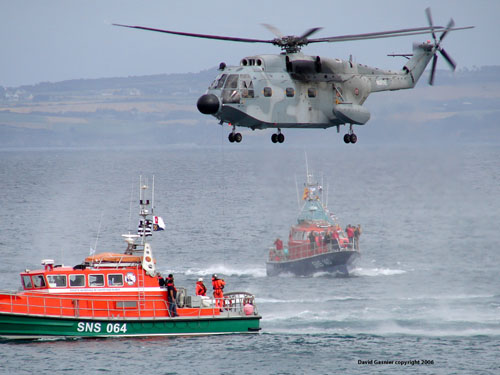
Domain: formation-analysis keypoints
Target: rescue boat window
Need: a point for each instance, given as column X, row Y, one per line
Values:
column 115, row 280
column 27, row 282
column 311, row 92
column 290, row 92
column 76, row 280
column 38, row 281
column 268, row 91
column 96, row 280
column 300, row 235
column 57, row 281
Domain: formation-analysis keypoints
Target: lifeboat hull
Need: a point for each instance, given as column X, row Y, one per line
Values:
column 336, row 262
column 25, row 326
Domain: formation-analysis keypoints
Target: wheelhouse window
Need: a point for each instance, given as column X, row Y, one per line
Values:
column 57, row 281
column 290, row 92
column 311, row 92
column 96, row 280
column 299, row 235
column 268, row 92
column 76, row 280
column 246, row 86
column 115, row 280
column 38, row 281
column 27, row 282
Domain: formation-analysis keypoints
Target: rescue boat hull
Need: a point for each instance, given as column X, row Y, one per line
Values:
column 26, row 326
column 336, row 262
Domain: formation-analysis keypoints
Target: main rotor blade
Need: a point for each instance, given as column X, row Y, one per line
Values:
column 273, row 30
column 380, row 34
column 448, row 59
column 429, row 18
column 205, row 36
column 433, row 70
column 383, row 34
column 310, row 32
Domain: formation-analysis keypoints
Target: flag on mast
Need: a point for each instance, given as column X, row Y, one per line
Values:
column 158, row 223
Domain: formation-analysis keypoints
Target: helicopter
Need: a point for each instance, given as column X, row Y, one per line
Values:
column 294, row 90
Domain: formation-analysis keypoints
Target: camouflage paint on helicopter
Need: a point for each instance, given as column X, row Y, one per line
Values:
column 293, row 90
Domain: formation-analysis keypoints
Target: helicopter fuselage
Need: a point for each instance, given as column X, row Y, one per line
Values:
column 293, row 90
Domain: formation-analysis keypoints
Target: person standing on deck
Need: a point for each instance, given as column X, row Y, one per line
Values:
column 357, row 234
column 218, row 285
column 201, row 289
column 279, row 244
column 171, row 296
column 350, row 233
column 312, row 240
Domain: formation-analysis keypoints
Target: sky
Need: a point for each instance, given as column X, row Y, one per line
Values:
column 56, row 40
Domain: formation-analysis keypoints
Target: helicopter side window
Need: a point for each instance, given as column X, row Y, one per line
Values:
column 290, row 92
column 268, row 92
column 246, row 86
column 311, row 92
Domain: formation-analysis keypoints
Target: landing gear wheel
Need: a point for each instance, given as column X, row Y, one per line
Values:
column 353, row 138
column 347, row 138
column 231, row 137
column 238, row 137
column 274, row 138
column 281, row 138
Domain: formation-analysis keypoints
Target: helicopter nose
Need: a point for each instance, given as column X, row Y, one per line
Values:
column 208, row 104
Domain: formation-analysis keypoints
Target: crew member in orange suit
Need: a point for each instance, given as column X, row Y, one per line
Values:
column 218, row 285
column 201, row 289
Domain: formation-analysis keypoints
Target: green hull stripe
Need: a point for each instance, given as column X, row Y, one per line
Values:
column 18, row 326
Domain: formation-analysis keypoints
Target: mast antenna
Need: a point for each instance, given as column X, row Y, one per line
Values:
column 298, row 194
column 92, row 250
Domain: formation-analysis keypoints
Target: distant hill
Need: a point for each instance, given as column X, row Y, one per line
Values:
column 160, row 110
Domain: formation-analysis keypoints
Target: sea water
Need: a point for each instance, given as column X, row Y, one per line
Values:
column 424, row 296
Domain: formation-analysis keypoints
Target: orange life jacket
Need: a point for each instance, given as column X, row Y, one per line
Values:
column 218, row 285
column 201, row 289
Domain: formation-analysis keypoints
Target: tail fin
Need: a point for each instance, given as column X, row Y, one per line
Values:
column 422, row 54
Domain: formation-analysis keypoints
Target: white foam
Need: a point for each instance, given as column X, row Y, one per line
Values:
column 226, row 271
column 376, row 272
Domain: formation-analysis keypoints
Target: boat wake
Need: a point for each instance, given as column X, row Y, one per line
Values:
column 226, row 271
column 376, row 272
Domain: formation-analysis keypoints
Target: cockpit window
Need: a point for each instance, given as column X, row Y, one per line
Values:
column 219, row 82
column 232, row 82
column 231, row 94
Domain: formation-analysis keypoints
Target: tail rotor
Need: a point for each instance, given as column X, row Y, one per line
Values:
column 437, row 46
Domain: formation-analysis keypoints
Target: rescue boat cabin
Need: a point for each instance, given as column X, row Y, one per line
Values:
column 100, row 273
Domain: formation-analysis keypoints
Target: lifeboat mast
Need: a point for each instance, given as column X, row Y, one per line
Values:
column 145, row 230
